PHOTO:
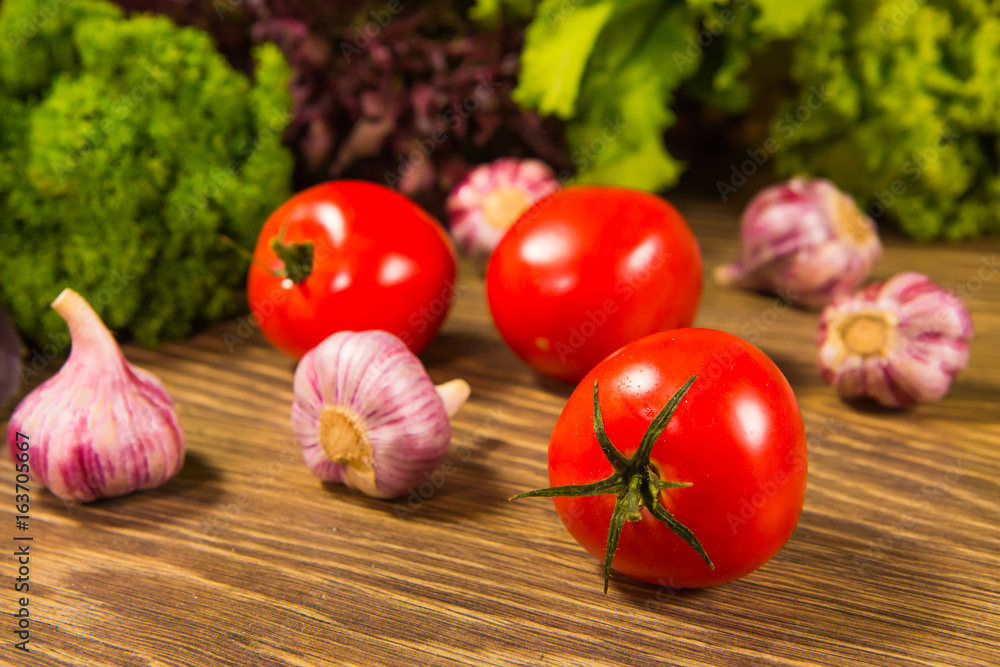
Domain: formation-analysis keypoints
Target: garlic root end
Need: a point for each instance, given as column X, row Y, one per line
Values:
column 343, row 436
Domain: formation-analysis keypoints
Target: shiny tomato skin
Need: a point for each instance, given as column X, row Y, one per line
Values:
column 589, row 269
column 737, row 436
column 380, row 262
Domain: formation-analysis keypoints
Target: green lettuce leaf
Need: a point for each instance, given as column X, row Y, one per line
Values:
column 611, row 69
column 558, row 45
column 625, row 99
column 784, row 18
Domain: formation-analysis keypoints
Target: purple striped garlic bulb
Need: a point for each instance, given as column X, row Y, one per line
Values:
column 491, row 198
column 806, row 241
column 368, row 416
column 899, row 342
column 100, row 427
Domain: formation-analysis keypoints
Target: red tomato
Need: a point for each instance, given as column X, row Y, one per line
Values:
column 736, row 437
column 377, row 261
column 588, row 270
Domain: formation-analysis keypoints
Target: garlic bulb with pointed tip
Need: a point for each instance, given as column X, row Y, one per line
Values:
column 805, row 240
column 100, row 427
column 368, row 416
column 899, row 342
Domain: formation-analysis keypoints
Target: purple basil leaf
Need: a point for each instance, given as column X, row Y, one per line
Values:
column 370, row 87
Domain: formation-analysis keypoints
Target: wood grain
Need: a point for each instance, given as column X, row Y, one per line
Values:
column 245, row 559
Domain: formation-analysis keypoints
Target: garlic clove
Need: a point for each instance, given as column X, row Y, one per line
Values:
column 368, row 416
column 454, row 394
column 491, row 198
column 100, row 427
column 805, row 240
column 900, row 342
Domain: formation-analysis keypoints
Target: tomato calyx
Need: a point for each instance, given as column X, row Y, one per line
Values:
column 297, row 258
column 635, row 482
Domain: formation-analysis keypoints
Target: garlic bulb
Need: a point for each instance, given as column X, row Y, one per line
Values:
column 805, row 240
column 100, row 427
column 899, row 342
column 368, row 416
column 492, row 197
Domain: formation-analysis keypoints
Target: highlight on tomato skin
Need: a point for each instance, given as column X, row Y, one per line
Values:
column 734, row 447
column 350, row 256
column 589, row 269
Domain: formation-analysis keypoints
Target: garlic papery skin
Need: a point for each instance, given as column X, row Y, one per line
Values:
column 100, row 427
column 491, row 198
column 899, row 342
column 368, row 416
column 806, row 241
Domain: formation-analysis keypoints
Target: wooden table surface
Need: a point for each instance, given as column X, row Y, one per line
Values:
column 246, row 559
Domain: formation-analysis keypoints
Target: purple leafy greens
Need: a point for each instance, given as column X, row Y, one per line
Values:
column 409, row 93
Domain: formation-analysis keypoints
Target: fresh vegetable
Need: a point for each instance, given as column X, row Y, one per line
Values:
column 492, row 197
column 10, row 359
column 406, row 93
column 126, row 148
column 100, row 427
column 805, row 240
column 368, row 416
column 899, row 342
column 612, row 68
column 680, row 460
column 350, row 256
column 587, row 270
column 910, row 123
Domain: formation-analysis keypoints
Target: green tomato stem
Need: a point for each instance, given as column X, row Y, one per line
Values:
column 297, row 258
column 634, row 482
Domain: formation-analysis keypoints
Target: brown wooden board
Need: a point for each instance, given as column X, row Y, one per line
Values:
column 246, row 559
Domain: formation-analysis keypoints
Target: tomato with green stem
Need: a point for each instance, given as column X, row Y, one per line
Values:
column 350, row 255
column 680, row 459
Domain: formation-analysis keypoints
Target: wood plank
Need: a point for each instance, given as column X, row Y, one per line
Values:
column 246, row 559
